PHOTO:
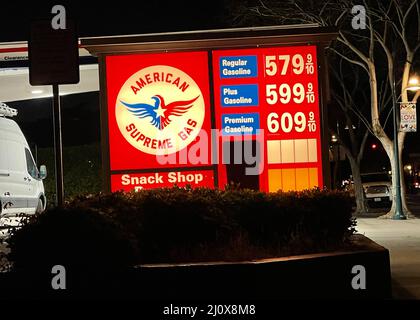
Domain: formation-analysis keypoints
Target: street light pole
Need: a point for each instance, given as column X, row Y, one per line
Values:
column 338, row 183
column 399, row 213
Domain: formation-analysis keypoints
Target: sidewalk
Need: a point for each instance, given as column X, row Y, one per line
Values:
column 402, row 239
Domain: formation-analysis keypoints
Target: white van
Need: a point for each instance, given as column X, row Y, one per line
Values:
column 21, row 187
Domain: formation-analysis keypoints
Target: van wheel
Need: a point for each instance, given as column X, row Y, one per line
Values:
column 40, row 206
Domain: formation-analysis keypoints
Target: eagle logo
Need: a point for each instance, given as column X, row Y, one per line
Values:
column 160, row 113
column 160, row 109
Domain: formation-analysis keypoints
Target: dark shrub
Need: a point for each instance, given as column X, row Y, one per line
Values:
column 168, row 222
column 183, row 224
column 76, row 238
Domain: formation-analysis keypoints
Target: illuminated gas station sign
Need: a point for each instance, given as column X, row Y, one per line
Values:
column 157, row 106
column 273, row 93
column 206, row 117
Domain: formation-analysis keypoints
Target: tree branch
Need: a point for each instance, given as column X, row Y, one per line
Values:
column 362, row 146
column 371, row 37
column 344, row 40
column 350, row 60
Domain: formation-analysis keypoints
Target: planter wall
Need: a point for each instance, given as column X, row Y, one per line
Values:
column 307, row 276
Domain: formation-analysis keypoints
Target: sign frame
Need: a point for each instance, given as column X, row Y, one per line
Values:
column 244, row 38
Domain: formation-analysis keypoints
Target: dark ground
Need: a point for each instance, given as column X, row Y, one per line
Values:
column 401, row 238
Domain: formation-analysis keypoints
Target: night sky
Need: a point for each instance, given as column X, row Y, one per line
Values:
column 95, row 18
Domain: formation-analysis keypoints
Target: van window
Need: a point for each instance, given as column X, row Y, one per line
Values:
column 32, row 169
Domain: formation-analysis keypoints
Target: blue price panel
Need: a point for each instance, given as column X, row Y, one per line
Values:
column 240, row 124
column 245, row 95
column 238, row 67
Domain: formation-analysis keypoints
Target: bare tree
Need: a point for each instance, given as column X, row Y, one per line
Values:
column 384, row 50
column 356, row 128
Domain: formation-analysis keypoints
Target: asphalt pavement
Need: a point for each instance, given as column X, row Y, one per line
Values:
column 402, row 239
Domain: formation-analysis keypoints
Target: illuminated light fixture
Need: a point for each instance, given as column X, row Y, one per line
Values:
column 347, row 127
column 413, row 84
column 37, row 91
column 374, row 146
column 334, row 138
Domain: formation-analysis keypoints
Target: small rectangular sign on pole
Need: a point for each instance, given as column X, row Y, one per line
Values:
column 408, row 116
column 53, row 54
column 54, row 60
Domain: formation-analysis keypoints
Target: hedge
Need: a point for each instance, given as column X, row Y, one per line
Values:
column 80, row 239
column 182, row 225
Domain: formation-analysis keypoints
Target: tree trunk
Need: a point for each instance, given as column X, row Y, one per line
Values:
column 391, row 212
column 407, row 212
column 358, row 187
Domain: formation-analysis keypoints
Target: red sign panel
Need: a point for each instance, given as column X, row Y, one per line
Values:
column 157, row 105
column 160, row 119
column 139, row 181
column 158, row 110
column 271, row 95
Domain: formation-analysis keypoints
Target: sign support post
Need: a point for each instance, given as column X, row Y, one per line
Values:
column 58, row 146
column 54, row 60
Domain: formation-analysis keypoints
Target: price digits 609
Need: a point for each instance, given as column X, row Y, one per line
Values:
column 286, row 122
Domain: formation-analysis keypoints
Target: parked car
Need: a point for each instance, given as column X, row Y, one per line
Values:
column 21, row 186
column 377, row 189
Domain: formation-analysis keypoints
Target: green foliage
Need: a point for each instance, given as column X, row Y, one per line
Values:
column 184, row 224
column 82, row 170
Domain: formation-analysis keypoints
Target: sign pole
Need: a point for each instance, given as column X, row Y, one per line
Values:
column 53, row 60
column 58, row 146
column 399, row 213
